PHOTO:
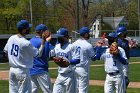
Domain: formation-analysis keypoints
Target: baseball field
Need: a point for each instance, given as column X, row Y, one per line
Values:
column 97, row 76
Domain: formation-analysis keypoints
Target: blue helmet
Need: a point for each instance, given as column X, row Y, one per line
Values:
column 41, row 27
column 62, row 32
column 121, row 30
column 84, row 30
column 112, row 35
column 111, row 38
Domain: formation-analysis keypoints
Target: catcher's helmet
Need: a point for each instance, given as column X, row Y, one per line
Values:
column 121, row 30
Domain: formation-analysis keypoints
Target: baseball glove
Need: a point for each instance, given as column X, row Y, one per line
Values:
column 61, row 62
column 114, row 48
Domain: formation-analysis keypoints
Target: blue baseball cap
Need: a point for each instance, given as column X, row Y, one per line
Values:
column 23, row 24
column 41, row 27
column 121, row 30
column 84, row 30
column 62, row 32
column 112, row 35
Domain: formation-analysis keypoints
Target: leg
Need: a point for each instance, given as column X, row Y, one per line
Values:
column 120, row 84
column 83, row 84
column 70, row 83
column 108, row 86
column 24, row 82
column 58, row 88
column 45, row 82
column 13, row 82
column 82, row 78
column 58, row 85
column 35, row 85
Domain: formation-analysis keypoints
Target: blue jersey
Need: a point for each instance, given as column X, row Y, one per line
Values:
column 40, row 64
column 125, row 45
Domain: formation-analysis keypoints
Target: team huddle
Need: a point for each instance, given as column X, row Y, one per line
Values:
column 28, row 60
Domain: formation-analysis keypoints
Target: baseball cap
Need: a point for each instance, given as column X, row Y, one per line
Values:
column 41, row 27
column 84, row 30
column 62, row 32
column 112, row 35
column 23, row 24
column 121, row 30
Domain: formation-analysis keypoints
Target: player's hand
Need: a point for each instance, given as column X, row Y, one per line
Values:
column 49, row 37
column 46, row 36
column 99, row 43
column 114, row 49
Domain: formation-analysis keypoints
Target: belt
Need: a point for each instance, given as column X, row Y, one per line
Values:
column 114, row 73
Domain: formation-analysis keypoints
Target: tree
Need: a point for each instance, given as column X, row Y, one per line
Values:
column 85, row 7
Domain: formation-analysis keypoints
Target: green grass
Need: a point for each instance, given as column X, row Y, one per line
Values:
column 52, row 64
column 134, row 59
column 53, row 73
column 4, row 66
column 92, row 89
column 134, row 74
column 100, row 89
column 96, row 73
column 4, row 86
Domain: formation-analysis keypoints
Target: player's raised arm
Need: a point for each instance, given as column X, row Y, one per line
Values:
column 45, row 37
column 98, row 51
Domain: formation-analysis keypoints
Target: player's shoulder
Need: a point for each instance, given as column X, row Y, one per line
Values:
column 107, row 49
column 120, row 49
column 75, row 42
column 25, row 42
column 13, row 37
column 57, row 46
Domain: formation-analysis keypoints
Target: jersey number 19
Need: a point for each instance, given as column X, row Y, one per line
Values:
column 14, row 50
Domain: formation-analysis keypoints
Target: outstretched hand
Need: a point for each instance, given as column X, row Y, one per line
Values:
column 46, row 36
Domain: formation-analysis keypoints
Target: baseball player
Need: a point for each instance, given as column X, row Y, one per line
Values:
column 39, row 71
column 114, row 64
column 65, row 81
column 21, row 53
column 86, row 54
column 123, row 43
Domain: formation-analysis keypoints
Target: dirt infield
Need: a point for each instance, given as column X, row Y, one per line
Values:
column 4, row 76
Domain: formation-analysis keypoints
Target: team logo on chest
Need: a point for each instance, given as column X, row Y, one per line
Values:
column 62, row 54
column 109, row 56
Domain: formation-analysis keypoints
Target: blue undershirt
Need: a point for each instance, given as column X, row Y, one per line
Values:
column 40, row 64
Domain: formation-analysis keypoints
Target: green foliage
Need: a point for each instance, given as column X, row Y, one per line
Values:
column 13, row 8
column 56, row 13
